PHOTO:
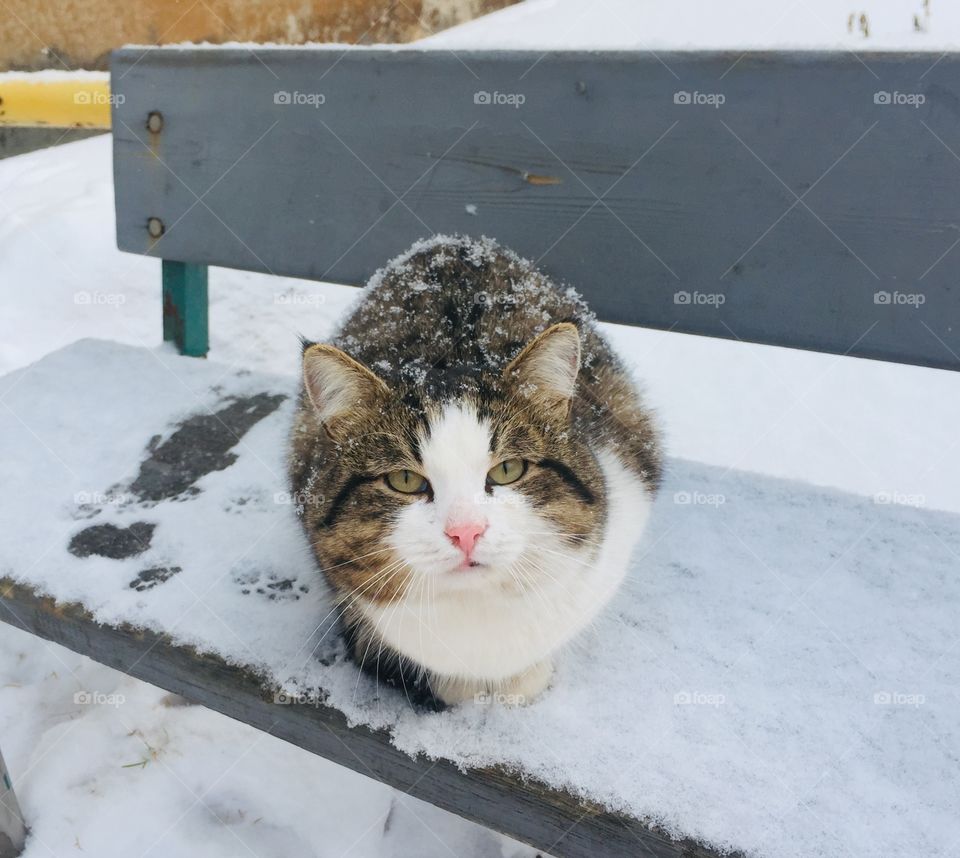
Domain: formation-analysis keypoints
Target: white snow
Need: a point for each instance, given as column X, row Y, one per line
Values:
column 786, row 616
column 735, row 25
column 658, row 25
column 55, row 75
column 138, row 775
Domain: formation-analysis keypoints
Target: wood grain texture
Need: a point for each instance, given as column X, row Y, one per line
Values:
column 548, row 819
column 777, row 216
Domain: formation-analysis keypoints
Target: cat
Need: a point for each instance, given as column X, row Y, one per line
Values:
column 475, row 466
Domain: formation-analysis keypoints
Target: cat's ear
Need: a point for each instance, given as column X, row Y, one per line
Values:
column 337, row 385
column 547, row 367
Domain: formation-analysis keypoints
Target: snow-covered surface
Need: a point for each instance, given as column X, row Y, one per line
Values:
column 132, row 773
column 735, row 25
column 53, row 75
column 656, row 25
column 766, row 627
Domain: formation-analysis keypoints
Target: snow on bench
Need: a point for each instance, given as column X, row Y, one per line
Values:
column 777, row 677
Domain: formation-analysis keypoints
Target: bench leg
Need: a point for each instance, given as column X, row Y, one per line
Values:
column 12, row 830
column 185, row 307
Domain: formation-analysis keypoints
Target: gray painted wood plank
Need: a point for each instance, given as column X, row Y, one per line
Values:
column 815, row 207
column 548, row 819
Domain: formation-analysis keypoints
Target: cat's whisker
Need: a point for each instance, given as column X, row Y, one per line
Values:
column 576, row 560
column 363, row 662
column 371, row 638
column 513, row 572
column 355, row 559
column 396, row 606
column 529, row 574
column 333, row 610
column 346, row 603
column 520, row 583
column 539, row 616
column 546, row 616
column 383, row 585
column 426, row 584
column 434, row 589
column 556, row 534
column 540, row 570
column 582, row 541
column 421, row 587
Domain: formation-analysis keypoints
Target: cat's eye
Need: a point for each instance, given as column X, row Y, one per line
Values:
column 407, row 482
column 508, row 471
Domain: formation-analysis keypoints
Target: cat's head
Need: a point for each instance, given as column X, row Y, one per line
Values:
column 485, row 486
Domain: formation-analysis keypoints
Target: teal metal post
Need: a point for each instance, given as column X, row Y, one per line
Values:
column 185, row 307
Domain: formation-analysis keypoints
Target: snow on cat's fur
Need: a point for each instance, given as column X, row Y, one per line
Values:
column 474, row 467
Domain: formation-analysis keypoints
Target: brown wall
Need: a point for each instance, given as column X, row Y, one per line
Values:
column 37, row 34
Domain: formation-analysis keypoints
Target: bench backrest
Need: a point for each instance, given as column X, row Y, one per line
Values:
column 806, row 200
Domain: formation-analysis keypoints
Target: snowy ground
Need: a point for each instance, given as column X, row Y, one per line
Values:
column 697, row 24
column 206, row 786
column 139, row 775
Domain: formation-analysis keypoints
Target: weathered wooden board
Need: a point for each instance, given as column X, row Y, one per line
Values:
column 550, row 820
column 807, row 200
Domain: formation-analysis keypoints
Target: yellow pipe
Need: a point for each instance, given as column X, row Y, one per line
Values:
column 80, row 103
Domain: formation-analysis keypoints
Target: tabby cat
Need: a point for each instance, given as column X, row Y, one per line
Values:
column 474, row 466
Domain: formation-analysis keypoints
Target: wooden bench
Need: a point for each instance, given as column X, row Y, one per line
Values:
column 802, row 200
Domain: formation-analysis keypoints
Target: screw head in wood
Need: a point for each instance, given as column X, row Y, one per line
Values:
column 154, row 121
column 155, row 227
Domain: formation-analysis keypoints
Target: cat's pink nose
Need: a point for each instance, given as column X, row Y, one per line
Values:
column 465, row 536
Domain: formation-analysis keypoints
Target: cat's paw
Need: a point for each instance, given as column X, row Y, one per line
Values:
column 518, row 690
column 452, row 690
column 525, row 687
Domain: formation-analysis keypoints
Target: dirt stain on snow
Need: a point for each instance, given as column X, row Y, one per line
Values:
column 200, row 445
column 108, row 540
